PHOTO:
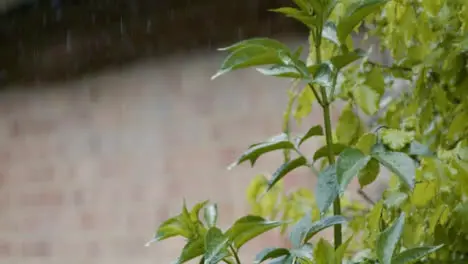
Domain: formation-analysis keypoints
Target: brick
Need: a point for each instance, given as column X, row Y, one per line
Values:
column 5, row 249
column 87, row 221
column 36, row 249
column 42, row 198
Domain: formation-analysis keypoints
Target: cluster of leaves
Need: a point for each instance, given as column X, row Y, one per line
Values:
column 427, row 156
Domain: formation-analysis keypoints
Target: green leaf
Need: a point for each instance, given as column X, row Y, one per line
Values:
column 341, row 250
column 300, row 230
column 324, row 253
column 329, row 32
column 249, row 227
column 297, row 14
column 191, row 250
column 270, row 253
column 211, row 215
column 170, row 228
column 395, row 199
column 396, row 139
column 419, row 149
column 355, row 14
column 327, row 188
column 281, row 71
column 367, row 99
column 248, row 56
column 322, row 224
column 366, row 142
column 324, row 75
column 256, row 150
column 423, row 193
column 285, row 169
column 369, row 173
column 195, row 212
column 313, row 131
column 375, row 80
column 216, row 246
column 388, row 240
column 400, row 164
column 304, row 103
column 413, row 254
column 262, row 42
column 304, row 253
column 337, row 148
column 344, row 60
column 348, row 126
column 350, row 162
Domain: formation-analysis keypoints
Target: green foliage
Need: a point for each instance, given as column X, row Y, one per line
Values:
column 421, row 139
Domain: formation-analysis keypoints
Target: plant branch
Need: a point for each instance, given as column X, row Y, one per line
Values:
column 319, row 100
column 234, row 253
column 365, row 197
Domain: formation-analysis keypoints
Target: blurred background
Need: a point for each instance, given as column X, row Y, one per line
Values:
column 109, row 119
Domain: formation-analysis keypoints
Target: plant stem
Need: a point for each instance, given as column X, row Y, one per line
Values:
column 328, row 136
column 234, row 253
column 331, row 160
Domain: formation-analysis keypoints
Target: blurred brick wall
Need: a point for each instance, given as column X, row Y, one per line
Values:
column 44, row 42
column 89, row 168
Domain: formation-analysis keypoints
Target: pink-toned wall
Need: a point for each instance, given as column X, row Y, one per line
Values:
column 88, row 169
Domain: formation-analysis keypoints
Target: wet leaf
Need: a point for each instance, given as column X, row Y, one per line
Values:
column 327, row 189
column 285, row 169
column 350, row 162
column 249, row 227
column 388, row 240
column 413, row 254
column 400, row 164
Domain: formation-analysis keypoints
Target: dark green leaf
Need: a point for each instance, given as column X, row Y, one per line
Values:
column 299, row 15
column 313, row 131
column 350, row 162
column 249, row 227
column 327, row 188
column 191, row 250
column 285, row 169
column 413, row 254
column 323, row 151
column 400, row 164
column 388, row 240
column 216, row 246
column 271, row 253
column 355, row 14
column 211, row 215
column 344, row 60
column 369, row 173
column 256, row 150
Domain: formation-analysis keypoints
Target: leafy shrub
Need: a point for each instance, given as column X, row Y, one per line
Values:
column 420, row 137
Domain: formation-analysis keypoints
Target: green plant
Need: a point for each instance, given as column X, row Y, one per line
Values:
column 426, row 155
